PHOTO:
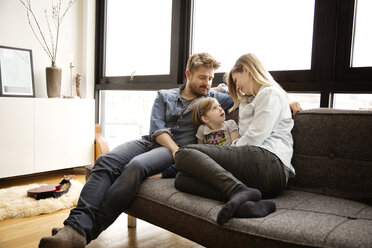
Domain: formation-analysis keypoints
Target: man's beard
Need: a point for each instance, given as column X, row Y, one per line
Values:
column 196, row 90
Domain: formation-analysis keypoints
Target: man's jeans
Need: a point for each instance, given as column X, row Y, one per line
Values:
column 113, row 184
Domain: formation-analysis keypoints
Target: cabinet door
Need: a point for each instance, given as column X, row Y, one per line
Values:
column 64, row 133
column 16, row 136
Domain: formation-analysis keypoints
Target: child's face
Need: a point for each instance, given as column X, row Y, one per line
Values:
column 216, row 115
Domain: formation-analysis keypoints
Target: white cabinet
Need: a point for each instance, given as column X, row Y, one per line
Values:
column 45, row 134
column 16, row 136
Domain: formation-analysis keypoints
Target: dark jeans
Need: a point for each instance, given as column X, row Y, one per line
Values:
column 170, row 172
column 215, row 171
column 113, row 184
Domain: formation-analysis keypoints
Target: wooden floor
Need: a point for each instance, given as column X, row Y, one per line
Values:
column 27, row 232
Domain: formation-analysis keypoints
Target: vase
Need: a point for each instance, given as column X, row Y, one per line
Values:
column 53, row 80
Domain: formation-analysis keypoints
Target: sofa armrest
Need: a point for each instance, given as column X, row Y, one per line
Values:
column 100, row 144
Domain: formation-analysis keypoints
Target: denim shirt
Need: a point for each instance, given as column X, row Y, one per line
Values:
column 173, row 114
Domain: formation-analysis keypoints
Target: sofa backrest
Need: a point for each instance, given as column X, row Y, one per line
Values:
column 333, row 153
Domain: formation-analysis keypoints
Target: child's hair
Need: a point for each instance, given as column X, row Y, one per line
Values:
column 200, row 108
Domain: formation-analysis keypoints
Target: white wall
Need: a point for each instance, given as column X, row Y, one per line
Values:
column 76, row 37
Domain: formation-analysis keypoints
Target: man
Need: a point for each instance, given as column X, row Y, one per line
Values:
column 118, row 174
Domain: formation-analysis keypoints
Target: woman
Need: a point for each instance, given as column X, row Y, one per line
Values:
column 259, row 162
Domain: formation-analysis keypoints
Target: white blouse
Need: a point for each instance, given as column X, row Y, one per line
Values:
column 267, row 122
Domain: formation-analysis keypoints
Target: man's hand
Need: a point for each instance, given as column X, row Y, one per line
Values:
column 295, row 107
column 166, row 140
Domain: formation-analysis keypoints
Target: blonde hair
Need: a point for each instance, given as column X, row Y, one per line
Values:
column 257, row 72
column 200, row 108
column 201, row 59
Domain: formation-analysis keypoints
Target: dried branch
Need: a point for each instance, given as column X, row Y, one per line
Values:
column 43, row 42
column 50, row 34
column 50, row 49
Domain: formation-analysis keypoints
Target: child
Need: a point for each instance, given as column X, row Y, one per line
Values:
column 210, row 119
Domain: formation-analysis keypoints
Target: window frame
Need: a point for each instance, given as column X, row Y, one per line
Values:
column 349, row 79
column 330, row 65
column 149, row 82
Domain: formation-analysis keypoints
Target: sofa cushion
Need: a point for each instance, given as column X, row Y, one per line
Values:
column 333, row 146
column 301, row 219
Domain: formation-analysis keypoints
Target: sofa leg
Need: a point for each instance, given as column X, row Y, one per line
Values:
column 132, row 221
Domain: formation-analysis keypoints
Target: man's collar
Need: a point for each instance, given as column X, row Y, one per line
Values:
column 181, row 88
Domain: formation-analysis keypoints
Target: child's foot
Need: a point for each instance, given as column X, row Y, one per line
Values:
column 251, row 209
column 237, row 198
column 66, row 237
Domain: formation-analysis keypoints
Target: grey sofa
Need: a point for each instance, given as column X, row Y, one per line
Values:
column 327, row 204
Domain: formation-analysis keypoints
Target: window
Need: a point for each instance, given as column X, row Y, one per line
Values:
column 307, row 101
column 138, row 39
column 353, row 101
column 353, row 61
column 125, row 115
column 312, row 47
column 362, row 48
column 280, row 33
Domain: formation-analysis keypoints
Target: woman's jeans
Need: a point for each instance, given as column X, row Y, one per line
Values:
column 113, row 184
column 216, row 171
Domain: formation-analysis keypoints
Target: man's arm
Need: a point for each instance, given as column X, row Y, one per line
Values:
column 158, row 126
column 158, row 118
column 166, row 140
column 158, row 129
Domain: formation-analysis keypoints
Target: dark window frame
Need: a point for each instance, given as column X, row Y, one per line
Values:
column 330, row 67
column 150, row 82
column 349, row 78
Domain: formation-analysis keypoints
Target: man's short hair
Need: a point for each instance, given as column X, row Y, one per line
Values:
column 202, row 59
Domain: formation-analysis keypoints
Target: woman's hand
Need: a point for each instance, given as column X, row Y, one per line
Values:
column 295, row 107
